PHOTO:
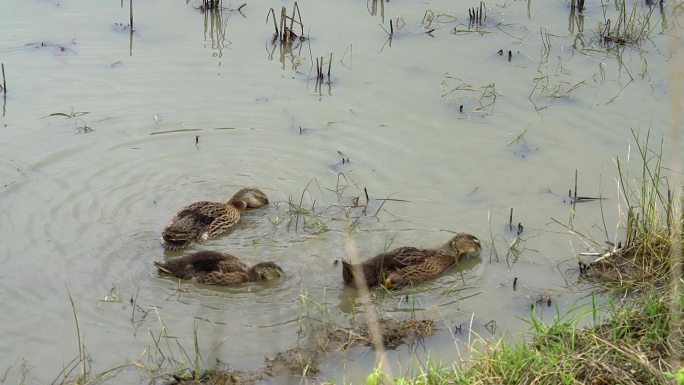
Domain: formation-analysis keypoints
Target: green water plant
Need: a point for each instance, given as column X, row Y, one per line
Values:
column 629, row 26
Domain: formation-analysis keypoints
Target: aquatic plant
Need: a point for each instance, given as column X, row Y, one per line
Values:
column 630, row 25
column 283, row 33
column 485, row 96
column 477, row 15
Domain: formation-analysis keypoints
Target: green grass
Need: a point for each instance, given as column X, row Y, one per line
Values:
column 653, row 223
column 631, row 346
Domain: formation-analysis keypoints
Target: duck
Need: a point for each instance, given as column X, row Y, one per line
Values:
column 218, row 268
column 205, row 220
column 410, row 265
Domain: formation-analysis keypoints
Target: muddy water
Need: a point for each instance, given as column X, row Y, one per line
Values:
column 85, row 193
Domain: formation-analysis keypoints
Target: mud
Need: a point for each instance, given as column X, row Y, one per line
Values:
column 394, row 333
column 303, row 360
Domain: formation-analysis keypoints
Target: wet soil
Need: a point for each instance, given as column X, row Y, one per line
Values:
column 304, row 360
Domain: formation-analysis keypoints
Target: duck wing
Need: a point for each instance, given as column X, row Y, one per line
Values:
column 192, row 223
column 375, row 269
column 219, row 217
column 222, row 279
column 426, row 266
column 404, row 256
column 182, row 231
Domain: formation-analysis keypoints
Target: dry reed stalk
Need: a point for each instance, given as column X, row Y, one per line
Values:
column 329, row 65
column 372, row 322
column 275, row 24
column 283, row 27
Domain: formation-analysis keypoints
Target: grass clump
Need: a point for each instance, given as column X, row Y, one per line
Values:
column 653, row 226
column 630, row 347
column 628, row 27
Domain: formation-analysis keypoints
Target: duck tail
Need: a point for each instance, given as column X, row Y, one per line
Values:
column 162, row 267
column 173, row 246
column 347, row 273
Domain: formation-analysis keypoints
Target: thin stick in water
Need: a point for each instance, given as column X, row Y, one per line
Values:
column 4, row 85
column 131, row 8
column 329, row 65
column 574, row 198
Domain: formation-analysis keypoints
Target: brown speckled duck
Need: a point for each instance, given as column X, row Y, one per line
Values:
column 215, row 268
column 205, row 220
column 410, row 265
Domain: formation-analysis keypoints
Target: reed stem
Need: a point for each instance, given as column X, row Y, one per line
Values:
column 4, row 85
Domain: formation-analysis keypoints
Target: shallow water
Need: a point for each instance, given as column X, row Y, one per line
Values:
column 83, row 198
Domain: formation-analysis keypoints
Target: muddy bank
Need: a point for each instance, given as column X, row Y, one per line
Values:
column 304, row 359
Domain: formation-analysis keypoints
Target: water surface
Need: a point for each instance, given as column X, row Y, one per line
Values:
column 83, row 197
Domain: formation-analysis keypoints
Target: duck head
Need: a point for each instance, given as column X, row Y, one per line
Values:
column 265, row 271
column 251, row 196
column 394, row 280
column 462, row 245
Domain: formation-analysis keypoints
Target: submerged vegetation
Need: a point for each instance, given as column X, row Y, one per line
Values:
column 351, row 209
column 629, row 26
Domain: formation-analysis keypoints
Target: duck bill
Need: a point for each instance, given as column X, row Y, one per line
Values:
column 389, row 284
